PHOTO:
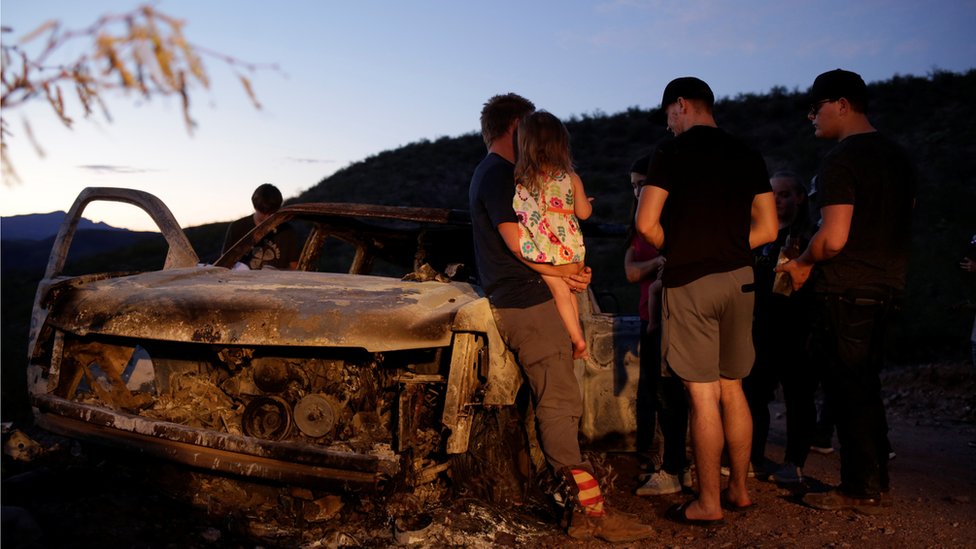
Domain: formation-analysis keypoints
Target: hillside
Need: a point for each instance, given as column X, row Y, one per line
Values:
column 31, row 256
column 931, row 116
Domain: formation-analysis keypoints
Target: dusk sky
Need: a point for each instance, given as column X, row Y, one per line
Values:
column 360, row 77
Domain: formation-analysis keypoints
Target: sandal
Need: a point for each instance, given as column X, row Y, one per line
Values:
column 730, row 505
column 677, row 513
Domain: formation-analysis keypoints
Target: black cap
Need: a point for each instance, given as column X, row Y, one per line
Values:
column 832, row 85
column 687, row 87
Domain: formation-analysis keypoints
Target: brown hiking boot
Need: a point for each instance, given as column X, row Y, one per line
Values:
column 577, row 525
column 613, row 526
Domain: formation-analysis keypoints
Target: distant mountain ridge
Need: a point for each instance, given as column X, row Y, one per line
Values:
column 27, row 240
column 41, row 226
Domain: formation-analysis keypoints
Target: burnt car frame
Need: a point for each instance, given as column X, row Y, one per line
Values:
column 339, row 380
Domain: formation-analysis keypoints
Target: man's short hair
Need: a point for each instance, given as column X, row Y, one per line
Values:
column 266, row 199
column 499, row 112
column 641, row 165
column 798, row 186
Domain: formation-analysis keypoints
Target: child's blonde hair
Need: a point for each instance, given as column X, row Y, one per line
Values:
column 543, row 146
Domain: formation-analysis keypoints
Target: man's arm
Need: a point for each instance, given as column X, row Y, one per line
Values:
column 764, row 225
column 639, row 270
column 648, row 218
column 826, row 243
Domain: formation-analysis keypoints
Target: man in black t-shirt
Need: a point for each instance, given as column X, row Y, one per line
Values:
column 530, row 325
column 866, row 188
column 706, row 204
column 279, row 248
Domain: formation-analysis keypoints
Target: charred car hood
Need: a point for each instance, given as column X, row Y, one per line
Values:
column 219, row 306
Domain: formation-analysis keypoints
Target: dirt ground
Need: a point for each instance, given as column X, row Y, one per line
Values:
column 75, row 496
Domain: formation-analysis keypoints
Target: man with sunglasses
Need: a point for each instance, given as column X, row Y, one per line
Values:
column 866, row 188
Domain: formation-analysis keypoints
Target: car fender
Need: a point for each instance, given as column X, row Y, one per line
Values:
column 482, row 372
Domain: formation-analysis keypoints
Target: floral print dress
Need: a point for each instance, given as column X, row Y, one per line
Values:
column 548, row 229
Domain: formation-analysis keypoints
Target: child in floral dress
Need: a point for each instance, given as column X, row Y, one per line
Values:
column 549, row 201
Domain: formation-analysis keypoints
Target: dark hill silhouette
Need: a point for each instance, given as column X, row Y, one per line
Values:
column 26, row 240
column 932, row 117
column 436, row 173
column 31, row 256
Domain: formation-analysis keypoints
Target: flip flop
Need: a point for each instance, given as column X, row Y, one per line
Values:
column 729, row 505
column 677, row 514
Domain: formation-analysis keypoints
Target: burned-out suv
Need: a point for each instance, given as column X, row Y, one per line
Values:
column 341, row 380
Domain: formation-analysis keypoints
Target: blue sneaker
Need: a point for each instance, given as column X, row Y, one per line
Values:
column 788, row 473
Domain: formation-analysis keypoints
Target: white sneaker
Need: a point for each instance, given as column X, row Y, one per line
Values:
column 822, row 448
column 726, row 471
column 658, row 484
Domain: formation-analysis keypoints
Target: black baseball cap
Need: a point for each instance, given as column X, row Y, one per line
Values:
column 687, row 87
column 832, row 85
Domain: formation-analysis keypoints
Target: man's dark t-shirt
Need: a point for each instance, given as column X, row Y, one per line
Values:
column 711, row 179
column 278, row 249
column 875, row 175
column 507, row 281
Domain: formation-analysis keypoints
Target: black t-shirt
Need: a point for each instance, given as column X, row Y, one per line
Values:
column 874, row 174
column 508, row 282
column 278, row 249
column 711, row 179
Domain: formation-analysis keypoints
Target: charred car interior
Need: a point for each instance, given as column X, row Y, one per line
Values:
column 376, row 376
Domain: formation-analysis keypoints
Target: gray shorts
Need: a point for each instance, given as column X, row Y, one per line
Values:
column 707, row 327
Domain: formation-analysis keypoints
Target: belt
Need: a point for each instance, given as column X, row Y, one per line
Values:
column 867, row 296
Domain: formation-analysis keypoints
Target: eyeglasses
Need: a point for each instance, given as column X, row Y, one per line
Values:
column 815, row 108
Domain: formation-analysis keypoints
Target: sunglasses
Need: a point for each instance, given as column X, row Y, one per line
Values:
column 815, row 108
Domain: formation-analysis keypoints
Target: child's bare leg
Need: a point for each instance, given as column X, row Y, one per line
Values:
column 569, row 312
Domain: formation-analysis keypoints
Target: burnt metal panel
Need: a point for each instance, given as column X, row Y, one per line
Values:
column 608, row 380
column 357, row 223
column 462, row 382
column 180, row 253
column 282, row 461
column 219, row 306
column 503, row 375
